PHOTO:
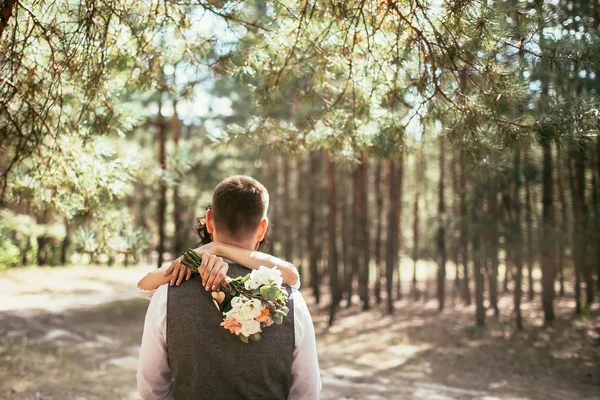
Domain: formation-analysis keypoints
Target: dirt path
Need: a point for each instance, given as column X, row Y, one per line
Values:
column 74, row 334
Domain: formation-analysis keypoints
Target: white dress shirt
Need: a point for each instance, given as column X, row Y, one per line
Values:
column 154, row 379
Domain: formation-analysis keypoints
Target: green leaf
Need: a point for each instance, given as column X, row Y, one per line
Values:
column 243, row 338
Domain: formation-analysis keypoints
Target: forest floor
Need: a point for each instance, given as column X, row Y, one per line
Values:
column 74, row 333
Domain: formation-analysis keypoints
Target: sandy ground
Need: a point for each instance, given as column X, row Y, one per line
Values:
column 74, row 333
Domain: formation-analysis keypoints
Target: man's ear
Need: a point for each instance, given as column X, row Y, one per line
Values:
column 210, row 222
column 262, row 229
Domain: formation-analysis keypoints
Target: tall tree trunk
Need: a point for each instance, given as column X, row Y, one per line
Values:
column 477, row 260
column 162, row 200
column 299, row 207
column 529, row 223
column 64, row 251
column 363, row 228
column 178, row 239
column 378, row 234
column 464, row 229
column 580, row 184
column 597, row 20
column 415, row 256
column 288, row 248
column 311, row 231
column 517, row 239
column 347, row 239
column 6, row 7
column 399, row 240
column 441, row 234
column 493, row 241
column 455, row 231
column 393, row 227
column 332, row 250
column 576, row 239
column 546, row 242
column 564, row 219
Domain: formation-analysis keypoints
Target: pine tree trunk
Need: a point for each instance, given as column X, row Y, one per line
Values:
column 529, row 224
column 564, row 219
column 517, row 239
column 178, row 240
column 415, row 255
column 6, row 8
column 576, row 239
column 493, row 250
column 311, row 231
column 464, row 229
column 332, row 250
column 477, row 261
column 347, row 239
column 379, row 211
column 456, row 232
column 597, row 20
column 64, row 251
column 580, row 184
column 162, row 200
column 363, row 228
column 299, row 207
column 399, row 241
column 393, row 227
column 288, row 248
column 441, row 234
column 546, row 239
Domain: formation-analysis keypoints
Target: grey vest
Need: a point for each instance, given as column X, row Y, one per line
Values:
column 209, row 363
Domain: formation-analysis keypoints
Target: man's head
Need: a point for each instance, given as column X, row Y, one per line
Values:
column 239, row 212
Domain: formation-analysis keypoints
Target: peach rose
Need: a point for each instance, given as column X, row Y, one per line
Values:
column 232, row 325
column 265, row 317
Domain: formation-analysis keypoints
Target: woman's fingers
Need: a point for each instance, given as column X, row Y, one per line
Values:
column 216, row 274
column 188, row 275
column 182, row 273
column 210, row 272
column 172, row 266
column 222, row 272
column 202, row 269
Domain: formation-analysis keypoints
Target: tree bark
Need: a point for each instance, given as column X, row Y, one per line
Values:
column 312, row 228
column 597, row 20
column 416, row 253
column 564, row 220
column 518, row 239
column 64, row 251
column 332, row 250
column 347, row 240
column 299, row 207
column 493, row 249
column 580, row 184
column 162, row 200
column 288, row 248
column 363, row 228
column 477, row 260
column 178, row 240
column 576, row 240
column 378, row 233
column 441, row 234
column 393, row 227
column 464, row 229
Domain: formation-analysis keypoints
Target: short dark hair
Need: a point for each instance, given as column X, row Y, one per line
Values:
column 239, row 204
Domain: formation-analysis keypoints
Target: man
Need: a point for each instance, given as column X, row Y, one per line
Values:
column 186, row 354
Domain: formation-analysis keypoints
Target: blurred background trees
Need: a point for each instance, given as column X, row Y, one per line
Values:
column 411, row 149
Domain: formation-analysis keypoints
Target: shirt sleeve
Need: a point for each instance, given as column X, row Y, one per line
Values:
column 154, row 379
column 306, row 378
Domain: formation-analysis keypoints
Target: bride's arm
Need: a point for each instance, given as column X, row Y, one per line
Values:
column 156, row 278
column 253, row 260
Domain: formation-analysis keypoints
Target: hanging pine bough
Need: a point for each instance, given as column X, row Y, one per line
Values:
column 249, row 303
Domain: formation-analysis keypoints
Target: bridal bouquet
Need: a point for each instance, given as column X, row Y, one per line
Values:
column 249, row 303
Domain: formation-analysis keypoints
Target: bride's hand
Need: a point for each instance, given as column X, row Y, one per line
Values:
column 212, row 271
column 178, row 272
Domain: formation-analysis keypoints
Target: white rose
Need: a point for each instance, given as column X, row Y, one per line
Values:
column 246, row 308
column 266, row 276
column 250, row 327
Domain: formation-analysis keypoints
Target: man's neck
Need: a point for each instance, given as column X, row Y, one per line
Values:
column 249, row 245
